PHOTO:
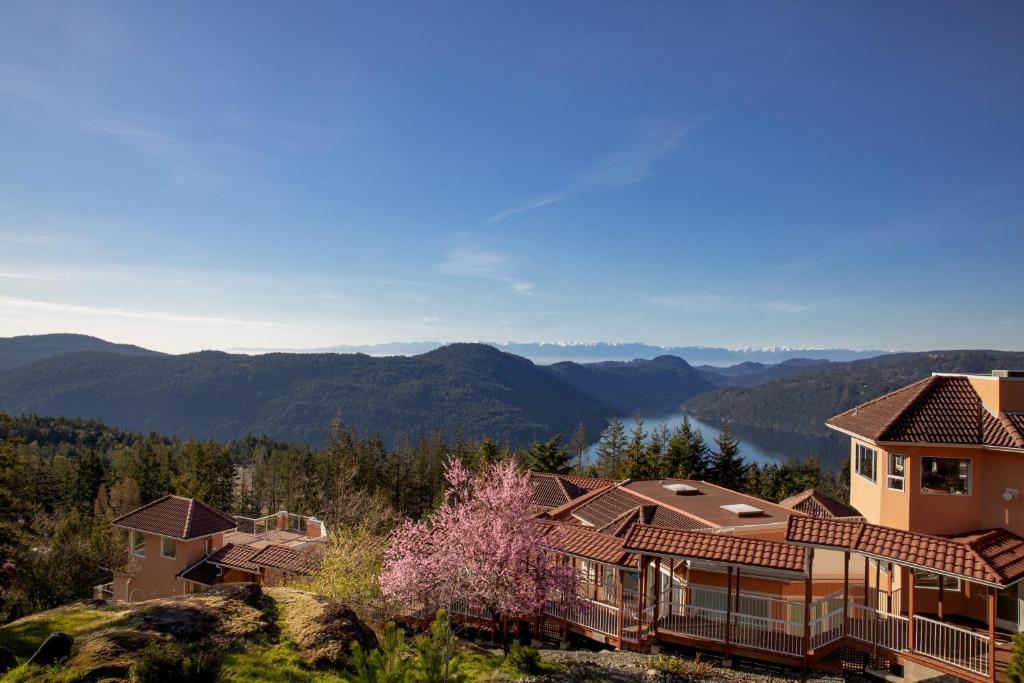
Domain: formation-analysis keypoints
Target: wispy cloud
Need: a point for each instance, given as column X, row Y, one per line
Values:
column 111, row 312
column 633, row 163
column 486, row 264
column 180, row 158
column 709, row 302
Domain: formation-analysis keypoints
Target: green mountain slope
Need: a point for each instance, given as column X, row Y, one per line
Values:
column 15, row 351
column 800, row 404
column 472, row 389
column 647, row 386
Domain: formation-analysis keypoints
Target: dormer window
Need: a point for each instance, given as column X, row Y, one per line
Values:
column 138, row 543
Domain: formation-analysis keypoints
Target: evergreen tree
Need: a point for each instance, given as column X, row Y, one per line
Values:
column 578, row 445
column 727, row 467
column 637, row 464
column 550, row 456
column 488, row 452
column 687, row 454
column 611, row 449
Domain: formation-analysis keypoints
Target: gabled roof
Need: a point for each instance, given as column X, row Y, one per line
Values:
column 727, row 549
column 236, row 556
column 817, row 504
column 554, row 490
column 993, row 556
column 287, row 559
column 573, row 539
column 178, row 517
column 202, row 572
column 940, row 409
column 616, row 504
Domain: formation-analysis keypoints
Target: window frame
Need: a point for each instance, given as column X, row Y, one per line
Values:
column 138, row 549
column 956, row 586
column 874, row 462
column 174, row 547
column 934, row 492
column 890, row 477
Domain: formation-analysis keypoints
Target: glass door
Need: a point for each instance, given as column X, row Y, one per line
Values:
column 1008, row 609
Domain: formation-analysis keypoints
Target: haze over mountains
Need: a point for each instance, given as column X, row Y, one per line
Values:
column 469, row 389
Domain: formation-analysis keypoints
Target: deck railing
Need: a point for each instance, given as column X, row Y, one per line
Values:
column 954, row 645
column 257, row 525
column 772, row 635
column 696, row 622
column 103, row 591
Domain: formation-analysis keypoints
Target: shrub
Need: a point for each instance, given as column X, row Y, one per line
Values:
column 683, row 668
column 1015, row 671
column 524, row 659
column 169, row 662
column 386, row 664
column 437, row 658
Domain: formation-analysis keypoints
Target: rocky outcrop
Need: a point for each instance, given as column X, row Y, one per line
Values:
column 323, row 630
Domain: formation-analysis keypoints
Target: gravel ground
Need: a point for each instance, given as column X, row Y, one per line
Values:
column 626, row 667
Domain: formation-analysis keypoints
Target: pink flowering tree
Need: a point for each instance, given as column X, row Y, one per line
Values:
column 481, row 547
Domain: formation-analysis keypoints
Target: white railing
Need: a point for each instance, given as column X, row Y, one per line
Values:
column 873, row 626
column 696, row 622
column 103, row 591
column 761, row 633
column 826, row 628
column 474, row 611
column 595, row 616
column 648, row 620
column 892, row 632
column 954, row 645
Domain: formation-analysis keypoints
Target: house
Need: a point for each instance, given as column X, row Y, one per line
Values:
column 555, row 490
column 177, row 546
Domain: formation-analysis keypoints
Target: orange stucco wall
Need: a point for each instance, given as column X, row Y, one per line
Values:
column 1000, row 394
column 992, row 471
column 155, row 576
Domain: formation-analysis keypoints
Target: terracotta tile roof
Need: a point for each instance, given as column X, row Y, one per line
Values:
column 728, row 549
column 939, row 409
column 554, row 490
column 817, row 504
column 178, row 517
column 287, row 559
column 588, row 544
column 993, row 556
column 614, row 505
column 204, row 573
column 1014, row 424
column 237, row 556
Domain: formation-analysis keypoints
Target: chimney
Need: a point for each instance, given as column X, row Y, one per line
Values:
column 282, row 520
column 1009, row 391
column 314, row 528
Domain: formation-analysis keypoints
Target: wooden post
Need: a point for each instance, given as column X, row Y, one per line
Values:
column 874, row 630
column 911, row 580
column 621, row 582
column 641, row 598
column 657, row 592
column 671, row 586
column 807, row 604
column 867, row 579
column 736, row 597
column 941, row 610
column 728, row 612
column 991, row 632
column 846, row 590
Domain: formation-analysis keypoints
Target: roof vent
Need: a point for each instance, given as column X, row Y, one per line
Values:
column 682, row 489
column 1008, row 373
column 743, row 510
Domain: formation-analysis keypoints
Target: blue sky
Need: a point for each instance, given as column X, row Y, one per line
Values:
column 217, row 175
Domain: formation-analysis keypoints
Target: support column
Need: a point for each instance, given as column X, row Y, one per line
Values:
column 867, row 580
column 657, row 593
column 641, row 598
column 671, row 586
column 911, row 581
column 621, row 573
column 807, row 604
column 991, row 632
column 874, row 630
column 846, row 590
column 728, row 613
column 736, row 598
column 941, row 610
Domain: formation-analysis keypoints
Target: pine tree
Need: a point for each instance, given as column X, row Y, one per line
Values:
column 727, row 467
column 550, row 456
column 637, row 464
column 611, row 449
column 578, row 445
column 488, row 452
column 687, row 453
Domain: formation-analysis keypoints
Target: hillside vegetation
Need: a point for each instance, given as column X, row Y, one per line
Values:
column 801, row 403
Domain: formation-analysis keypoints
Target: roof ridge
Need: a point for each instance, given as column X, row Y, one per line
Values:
column 981, row 558
column 143, row 507
column 188, row 517
column 1015, row 434
column 884, row 396
column 926, row 386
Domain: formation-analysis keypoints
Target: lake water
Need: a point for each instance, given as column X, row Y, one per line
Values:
column 756, row 445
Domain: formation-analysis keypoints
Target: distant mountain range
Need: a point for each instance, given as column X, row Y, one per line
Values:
column 468, row 389
column 548, row 353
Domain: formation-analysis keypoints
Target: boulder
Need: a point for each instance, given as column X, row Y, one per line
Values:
column 7, row 659
column 56, row 648
column 323, row 630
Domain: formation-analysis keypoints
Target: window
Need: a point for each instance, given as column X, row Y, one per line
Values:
column 930, row 580
column 947, row 476
column 866, row 459
column 138, row 543
column 168, row 547
column 896, row 478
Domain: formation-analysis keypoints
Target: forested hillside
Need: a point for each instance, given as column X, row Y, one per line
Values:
column 469, row 389
column 801, row 404
column 15, row 351
column 657, row 385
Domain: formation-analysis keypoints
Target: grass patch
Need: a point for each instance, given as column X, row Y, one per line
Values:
column 479, row 665
column 25, row 635
column 280, row 663
column 35, row 674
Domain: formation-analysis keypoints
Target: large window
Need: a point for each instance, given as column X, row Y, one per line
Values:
column 897, row 472
column 138, row 543
column 168, row 547
column 929, row 580
column 949, row 476
column 866, row 462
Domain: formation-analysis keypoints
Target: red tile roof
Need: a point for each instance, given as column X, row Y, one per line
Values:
column 554, row 490
column 993, row 556
column 287, row 559
column 817, row 504
column 615, row 504
column 178, row 517
column 204, row 573
column 940, row 409
column 588, row 544
column 728, row 549
column 236, row 556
